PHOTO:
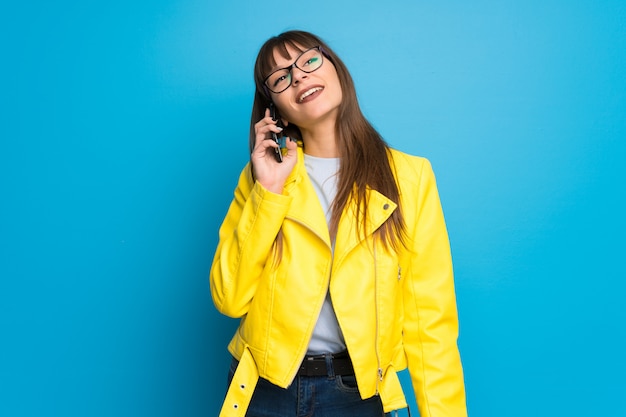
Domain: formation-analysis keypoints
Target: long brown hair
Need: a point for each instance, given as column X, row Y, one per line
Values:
column 364, row 154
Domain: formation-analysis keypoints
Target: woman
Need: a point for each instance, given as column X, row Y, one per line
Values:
column 336, row 259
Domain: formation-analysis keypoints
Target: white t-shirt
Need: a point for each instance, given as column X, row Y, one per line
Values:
column 327, row 336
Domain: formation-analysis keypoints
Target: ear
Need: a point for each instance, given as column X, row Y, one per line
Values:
column 285, row 121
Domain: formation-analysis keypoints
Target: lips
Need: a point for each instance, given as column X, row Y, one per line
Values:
column 309, row 94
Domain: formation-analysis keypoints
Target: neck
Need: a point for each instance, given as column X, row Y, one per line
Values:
column 321, row 140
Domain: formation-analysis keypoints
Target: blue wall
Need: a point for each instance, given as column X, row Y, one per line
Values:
column 123, row 128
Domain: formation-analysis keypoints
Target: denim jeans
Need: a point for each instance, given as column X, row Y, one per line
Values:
column 311, row 396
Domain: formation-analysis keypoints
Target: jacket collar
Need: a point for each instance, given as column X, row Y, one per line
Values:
column 306, row 209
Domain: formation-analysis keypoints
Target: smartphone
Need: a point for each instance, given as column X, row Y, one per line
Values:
column 281, row 141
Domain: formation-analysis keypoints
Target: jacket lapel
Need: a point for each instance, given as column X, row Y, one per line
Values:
column 305, row 207
column 348, row 236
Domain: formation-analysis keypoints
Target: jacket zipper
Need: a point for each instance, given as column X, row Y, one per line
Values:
column 303, row 355
column 293, row 376
column 379, row 377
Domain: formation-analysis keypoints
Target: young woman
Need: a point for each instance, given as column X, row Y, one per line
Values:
column 334, row 254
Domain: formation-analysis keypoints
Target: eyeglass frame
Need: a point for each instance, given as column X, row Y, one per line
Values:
column 290, row 70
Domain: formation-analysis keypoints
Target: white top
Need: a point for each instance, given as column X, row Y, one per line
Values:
column 327, row 336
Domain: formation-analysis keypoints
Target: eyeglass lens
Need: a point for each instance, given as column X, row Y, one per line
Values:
column 308, row 61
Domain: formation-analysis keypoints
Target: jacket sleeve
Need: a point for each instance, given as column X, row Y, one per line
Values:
column 431, row 325
column 245, row 243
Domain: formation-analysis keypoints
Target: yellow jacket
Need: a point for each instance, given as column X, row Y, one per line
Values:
column 394, row 309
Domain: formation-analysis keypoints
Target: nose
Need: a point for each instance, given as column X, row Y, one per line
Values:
column 297, row 75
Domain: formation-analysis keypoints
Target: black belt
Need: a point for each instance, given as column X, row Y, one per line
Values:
column 316, row 365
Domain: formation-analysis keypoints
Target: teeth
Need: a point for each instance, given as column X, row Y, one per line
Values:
column 308, row 93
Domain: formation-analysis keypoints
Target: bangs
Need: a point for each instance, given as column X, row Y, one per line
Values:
column 267, row 61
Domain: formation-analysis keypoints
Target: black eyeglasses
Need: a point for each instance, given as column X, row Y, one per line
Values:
column 308, row 61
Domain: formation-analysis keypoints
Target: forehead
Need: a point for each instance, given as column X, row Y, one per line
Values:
column 284, row 54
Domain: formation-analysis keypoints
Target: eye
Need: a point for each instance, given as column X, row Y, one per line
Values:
column 312, row 61
column 280, row 79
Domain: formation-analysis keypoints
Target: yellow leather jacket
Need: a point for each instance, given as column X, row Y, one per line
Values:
column 394, row 308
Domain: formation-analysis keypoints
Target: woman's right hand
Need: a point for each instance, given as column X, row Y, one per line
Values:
column 270, row 173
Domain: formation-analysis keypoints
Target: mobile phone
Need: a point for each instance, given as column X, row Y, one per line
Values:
column 281, row 141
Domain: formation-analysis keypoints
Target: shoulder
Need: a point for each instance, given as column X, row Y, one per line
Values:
column 409, row 168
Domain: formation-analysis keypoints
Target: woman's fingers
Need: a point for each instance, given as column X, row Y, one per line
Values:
column 264, row 129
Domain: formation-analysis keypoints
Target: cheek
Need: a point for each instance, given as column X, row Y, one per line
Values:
column 338, row 93
column 282, row 103
column 336, row 85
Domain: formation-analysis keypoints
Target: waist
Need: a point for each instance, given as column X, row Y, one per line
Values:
column 329, row 364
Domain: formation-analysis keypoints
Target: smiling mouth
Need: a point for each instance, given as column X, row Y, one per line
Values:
column 307, row 93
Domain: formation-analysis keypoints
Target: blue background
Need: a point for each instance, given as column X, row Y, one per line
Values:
column 124, row 126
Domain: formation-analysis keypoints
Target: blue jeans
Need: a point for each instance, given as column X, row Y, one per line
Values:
column 311, row 396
